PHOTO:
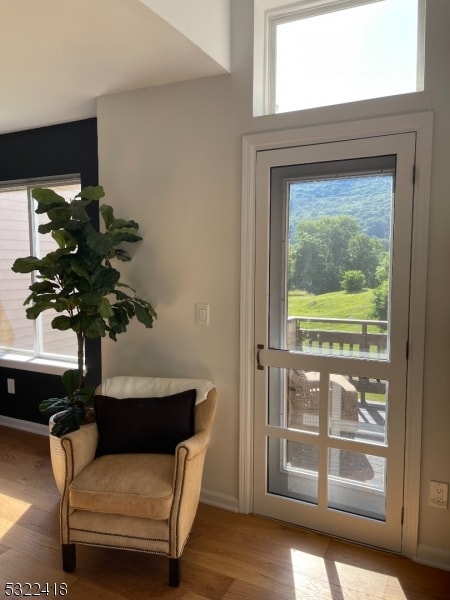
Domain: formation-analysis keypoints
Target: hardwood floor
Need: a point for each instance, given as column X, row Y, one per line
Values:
column 229, row 556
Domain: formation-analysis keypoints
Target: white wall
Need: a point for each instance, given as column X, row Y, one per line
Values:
column 191, row 17
column 170, row 157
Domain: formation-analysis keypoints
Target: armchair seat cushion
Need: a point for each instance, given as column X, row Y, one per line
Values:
column 133, row 485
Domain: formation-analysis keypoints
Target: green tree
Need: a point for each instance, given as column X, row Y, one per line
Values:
column 364, row 255
column 353, row 281
column 381, row 292
column 325, row 248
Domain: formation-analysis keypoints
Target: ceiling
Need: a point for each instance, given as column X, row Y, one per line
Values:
column 58, row 56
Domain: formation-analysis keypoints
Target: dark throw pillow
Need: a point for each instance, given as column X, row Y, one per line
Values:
column 155, row 425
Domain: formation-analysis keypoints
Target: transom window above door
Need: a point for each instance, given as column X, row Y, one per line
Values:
column 315, row 53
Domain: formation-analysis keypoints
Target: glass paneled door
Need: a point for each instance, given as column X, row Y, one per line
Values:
column 333, row 238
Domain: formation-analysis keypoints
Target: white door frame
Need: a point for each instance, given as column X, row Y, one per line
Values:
column 422, row 124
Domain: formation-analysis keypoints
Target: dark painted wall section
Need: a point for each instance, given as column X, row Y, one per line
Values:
column 66, row 149
column 30, row 389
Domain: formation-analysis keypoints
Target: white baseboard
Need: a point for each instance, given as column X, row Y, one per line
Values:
column 24, row 425
column 219, row 500
column 432, row 556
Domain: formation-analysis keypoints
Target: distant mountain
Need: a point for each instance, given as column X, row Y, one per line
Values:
column 366, row 198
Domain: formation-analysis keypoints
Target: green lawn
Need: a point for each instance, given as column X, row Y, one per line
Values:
column 338, row 305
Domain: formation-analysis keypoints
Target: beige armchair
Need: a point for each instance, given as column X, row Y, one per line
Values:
column 128, row 497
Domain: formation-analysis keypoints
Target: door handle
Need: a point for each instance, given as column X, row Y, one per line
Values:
column 259, row 347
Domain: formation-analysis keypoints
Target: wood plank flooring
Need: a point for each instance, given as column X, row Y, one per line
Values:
column 229, row 556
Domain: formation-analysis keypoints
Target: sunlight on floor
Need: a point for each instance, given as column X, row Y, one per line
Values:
column 329, row 579
column 11, row 511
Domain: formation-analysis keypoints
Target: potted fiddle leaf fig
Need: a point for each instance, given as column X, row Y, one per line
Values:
column 79, row 282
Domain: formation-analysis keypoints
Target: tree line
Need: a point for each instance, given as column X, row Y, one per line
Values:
column 332, row 253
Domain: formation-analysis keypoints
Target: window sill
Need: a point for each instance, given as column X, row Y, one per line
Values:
column 10, row 360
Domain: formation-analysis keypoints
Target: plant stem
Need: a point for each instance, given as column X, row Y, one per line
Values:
column 80, row 340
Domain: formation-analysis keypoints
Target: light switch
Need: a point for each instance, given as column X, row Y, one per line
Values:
column 202, row 314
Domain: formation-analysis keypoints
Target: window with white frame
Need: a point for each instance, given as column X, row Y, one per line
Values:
column 21, row 338
column 314, row 53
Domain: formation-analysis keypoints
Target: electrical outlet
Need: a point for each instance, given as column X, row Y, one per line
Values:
column 439, row 494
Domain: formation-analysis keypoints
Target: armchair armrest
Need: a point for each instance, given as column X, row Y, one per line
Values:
column 79, row 450
column 194, row 445
column 189, row 459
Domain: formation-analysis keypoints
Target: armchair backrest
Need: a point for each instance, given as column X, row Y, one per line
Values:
column 122, row 386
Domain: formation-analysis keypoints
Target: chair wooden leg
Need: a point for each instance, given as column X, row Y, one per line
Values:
column 69, row 557
column 174, row 571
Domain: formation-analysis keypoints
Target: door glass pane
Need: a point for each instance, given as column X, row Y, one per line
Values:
column 358, row 408
column 334, row 259
column 293, row 469
column 294, row 399
column 303, row 400
column 357, row 483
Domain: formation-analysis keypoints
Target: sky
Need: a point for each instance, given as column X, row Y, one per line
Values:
column 357, row 53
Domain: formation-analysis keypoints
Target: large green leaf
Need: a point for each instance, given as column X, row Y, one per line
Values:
column 74, row 226
column 79, row 270
column 91, row 300
column 43, row 287
column 59, row 214
column 99, row 243
column 70, row 379
column 27, row 264
column 94, row 327
column 84, row 395
column 118, row 322
column 122, row 254
column 62, row 322
column 91, row 193
column 51, row 406
column 50, row 226
column 124, row 235
column 64, row 239
column 69, row 421
column 124, row 224
column 47, row 199
column 105, row 308
column 107, row 214
column 105, row 279
column 145, row 314
column 34, row 311
column 78, row 210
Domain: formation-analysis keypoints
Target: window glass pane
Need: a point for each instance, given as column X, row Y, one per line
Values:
column 338, row 258
column 53, row 341
column 345, row 55
column 16, row 331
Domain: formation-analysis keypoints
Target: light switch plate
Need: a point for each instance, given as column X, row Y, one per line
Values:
column 202, row 314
